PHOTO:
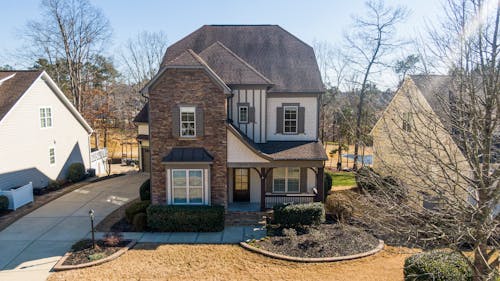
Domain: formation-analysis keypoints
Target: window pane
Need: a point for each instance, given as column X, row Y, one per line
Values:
column 180, row 195
column 195, row 195
column 279, row 173
column 42, row 112
column 179, row 178
column 279, row 185
column 42, row 123
column 294, row 173
column 293, row 185
column 49, row 121
column 48, row 112
column 195, row 178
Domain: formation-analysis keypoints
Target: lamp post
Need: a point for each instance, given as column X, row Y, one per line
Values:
column 91, row 215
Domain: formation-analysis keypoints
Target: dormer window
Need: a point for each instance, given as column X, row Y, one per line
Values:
column 243, row 114
column 188, row 122
column 45, row 117
column 290, row 118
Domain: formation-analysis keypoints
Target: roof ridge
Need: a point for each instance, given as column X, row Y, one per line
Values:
column 239, row 59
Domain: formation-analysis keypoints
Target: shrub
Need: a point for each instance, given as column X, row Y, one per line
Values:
column 76, row 172
column 437, row 266
column 4, row 202
column 367, row 179
column 112, row 238
column 135, row 208
column 55, row 184
column 145, row 190
column 340, row 208
column 96, row 256
column 170, row 218
column 298, row 215
column 327, row 183
column 140, row 222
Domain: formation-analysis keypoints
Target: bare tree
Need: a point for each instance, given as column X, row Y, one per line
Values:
column 142, row 56
column 73, row 30
column 370, row 40
column 446, row 148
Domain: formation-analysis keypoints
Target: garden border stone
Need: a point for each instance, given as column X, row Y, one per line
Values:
column 249, row 247
column 60, row 267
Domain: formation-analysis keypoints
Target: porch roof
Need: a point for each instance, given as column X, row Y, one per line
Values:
column 188, row 154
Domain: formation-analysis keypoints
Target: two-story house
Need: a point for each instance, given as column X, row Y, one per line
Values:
column 42, row 133
column 233, row 116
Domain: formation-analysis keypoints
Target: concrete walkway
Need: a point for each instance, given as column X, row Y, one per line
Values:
column 31, row 246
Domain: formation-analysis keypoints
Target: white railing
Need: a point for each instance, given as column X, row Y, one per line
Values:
column 19, row 196
column 301, row 198
column 99, row 154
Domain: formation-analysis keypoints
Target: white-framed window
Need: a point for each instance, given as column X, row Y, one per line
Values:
column 286, row 180
column 290, row 119
column 52, row 156
column 188, row 122
column 243, row 113
column 45, row 117
column 187, row 186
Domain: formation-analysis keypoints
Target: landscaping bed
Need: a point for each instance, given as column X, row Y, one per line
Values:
column 325, row 240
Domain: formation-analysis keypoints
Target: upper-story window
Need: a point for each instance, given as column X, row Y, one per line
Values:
column 243, row 114
column 188, row 122
column 407, row 121
column 290, row 115
column 45, row 117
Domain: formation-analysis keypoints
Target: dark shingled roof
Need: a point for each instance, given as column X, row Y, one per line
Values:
column 188, row 154
column 143, row 115
column 186, row 58
column 143, row 137
column 13, row 88
column 275, row 53
column 231, row 68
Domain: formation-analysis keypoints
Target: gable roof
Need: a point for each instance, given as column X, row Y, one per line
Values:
column 230, row 67
column 275, row 53
column 143, row 115
column 13, row 88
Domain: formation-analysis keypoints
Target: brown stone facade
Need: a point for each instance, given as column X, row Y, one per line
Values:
column 195, row 88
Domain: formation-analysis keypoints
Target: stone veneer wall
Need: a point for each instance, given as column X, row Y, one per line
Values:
column 188, row 87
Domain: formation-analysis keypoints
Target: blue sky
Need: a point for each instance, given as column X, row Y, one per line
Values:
column 320, row 20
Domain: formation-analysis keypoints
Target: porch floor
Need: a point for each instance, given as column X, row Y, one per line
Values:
column 243, row 207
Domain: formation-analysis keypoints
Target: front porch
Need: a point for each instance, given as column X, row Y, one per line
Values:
column 252, row 189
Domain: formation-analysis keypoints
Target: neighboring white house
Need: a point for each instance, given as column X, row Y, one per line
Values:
column 41, row 132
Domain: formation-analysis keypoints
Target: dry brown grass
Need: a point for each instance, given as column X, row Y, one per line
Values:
column 231, row 262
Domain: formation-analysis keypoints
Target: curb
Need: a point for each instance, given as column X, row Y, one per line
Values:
column 60, row 267
column 249, row 247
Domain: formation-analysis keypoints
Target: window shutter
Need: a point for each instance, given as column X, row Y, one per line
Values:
column 279, row 120
column 199, row 122
column 302, row 112
column 269, row 182
column 251, row 115
column 176, row 119
column 303, row 180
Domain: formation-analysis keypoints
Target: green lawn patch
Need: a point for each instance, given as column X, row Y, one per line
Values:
column 343, row 179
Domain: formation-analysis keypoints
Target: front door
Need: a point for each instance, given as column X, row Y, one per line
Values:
column 241, row 192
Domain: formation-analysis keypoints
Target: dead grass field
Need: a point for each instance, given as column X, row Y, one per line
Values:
column 231, row 262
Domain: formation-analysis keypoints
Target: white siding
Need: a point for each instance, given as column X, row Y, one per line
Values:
column 255, row 98
column 24, row 146
column 310, row 119
column 238, row 152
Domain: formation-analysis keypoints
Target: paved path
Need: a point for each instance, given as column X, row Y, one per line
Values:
column 31, row 246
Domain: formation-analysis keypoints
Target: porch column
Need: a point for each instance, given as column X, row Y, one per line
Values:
column 262, row 189
column 319, row 184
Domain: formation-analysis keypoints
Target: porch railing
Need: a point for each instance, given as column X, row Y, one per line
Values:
column 275, row 199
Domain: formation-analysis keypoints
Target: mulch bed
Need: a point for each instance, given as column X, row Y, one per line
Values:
column 82, row 256
column 116, row 221
column 326, row 240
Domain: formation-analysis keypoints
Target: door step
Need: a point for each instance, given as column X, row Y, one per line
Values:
column 237, row 218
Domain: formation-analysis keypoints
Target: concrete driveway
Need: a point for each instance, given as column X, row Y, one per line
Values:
column 31, row 246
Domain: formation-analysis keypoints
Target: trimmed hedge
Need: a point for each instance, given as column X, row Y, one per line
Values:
column 298, row 215
column 140, row 222
column 145, row 190
column 327, row 183
column 136, row 208
column 4, row 202
column 76, row 172
column 169, row 218
column 437, row 266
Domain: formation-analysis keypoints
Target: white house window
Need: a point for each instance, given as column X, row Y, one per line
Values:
column 188, row 122
column 243, row 114
column 52, row 155
column 407, row 121
column 45, row 117
column 290, row 119
column 286, row 180
column 187, row 186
